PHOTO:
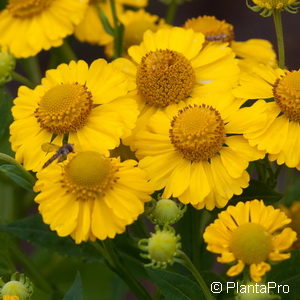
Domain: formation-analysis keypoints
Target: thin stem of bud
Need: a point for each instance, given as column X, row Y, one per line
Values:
column 279, row 34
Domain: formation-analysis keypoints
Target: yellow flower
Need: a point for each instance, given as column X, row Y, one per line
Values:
column 90, row 105
column 220, row 31
column 91, row 29
column 7, row 297
column 293, row 213
column 172, row 65
column 281, row 138
column 196, row 152
column 273, row 4
column 29, row 26
column 90, row 196
column 250, row 234
column 135, row 23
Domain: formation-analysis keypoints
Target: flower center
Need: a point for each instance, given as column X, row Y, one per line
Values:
column 197, row 132
column 165, row 77
column 88, row 175
column 212, row 28
column 287, row 95
column 251, row 243
column 64, row 108
column 273, row 4
column 27, row 8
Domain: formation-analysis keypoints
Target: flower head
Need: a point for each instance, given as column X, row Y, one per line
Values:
column 161, row 248
column 273, row 4
column 196, row 151
column 94, row 195
column 18, row 288
column 166, row 211
column 29, row 26
column 280, row 138
column 216, row 30
column 250, row 234
column 87, row 104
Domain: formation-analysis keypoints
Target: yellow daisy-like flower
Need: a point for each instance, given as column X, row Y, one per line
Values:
column 281, row 138
column 250, row 234
column 273, row 4
column 172, row 65
column 196, row 152
column 220, row 31
column 293, row 213
column 135, row 23
column 90, row 105
column 29, row 26
column 91, row 29
column 90, row 196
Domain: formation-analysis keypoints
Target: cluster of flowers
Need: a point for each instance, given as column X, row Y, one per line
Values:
column 189, row 106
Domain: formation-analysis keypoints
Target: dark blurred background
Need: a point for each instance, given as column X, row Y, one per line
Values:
column 247, row 25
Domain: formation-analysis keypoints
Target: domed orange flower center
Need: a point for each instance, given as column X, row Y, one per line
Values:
column 212, row 28
column 88, row 175
column 287, row 95
column 251, row 243
column 197, row 132
column 27, row 8
column 165, row 77
column 64, row 108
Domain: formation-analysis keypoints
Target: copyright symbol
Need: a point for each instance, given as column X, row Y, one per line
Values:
column 216, row 287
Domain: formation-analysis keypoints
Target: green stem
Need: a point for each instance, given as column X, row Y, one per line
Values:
column 118, row 31
column 30, row 268
column 20, row 78
column 108, row 252
column 67, row 52
column 6, row 159
column 195, row 232
column 171, row 11
column 186, row 262
column 32, row 67
column 279, row 34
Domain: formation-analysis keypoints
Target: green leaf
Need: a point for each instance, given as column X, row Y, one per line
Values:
column 75, row 292
column 287, row 273
column 35, row 231
column 105, row 22
column 175, row 286
column 15, row 174
column 13, row 170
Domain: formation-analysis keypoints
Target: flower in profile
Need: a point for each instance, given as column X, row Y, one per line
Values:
column 135, row 24
column 250, row 234
column 87, row 105
column 18, row 288
column 281, row 137
column 172, row 65
column 91, row 29
column 216, row 30
column 90, row 196
column 196, row 151
column 29, row 26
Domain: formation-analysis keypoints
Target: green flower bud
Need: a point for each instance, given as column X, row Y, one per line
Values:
column 166, row 212
column 7, row 65
column 19, row 286
column 161, row 248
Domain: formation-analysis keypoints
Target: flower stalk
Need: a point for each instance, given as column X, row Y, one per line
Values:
column 279, row 34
